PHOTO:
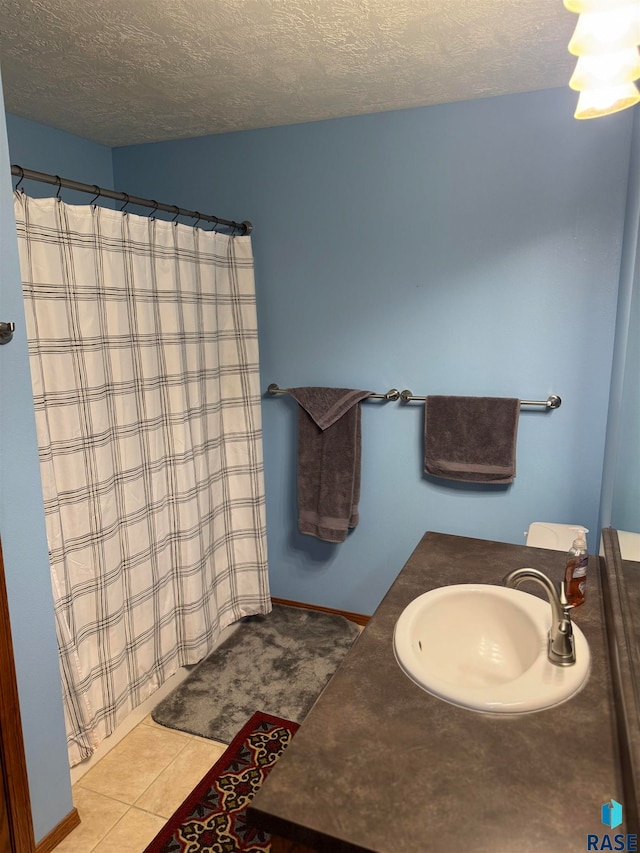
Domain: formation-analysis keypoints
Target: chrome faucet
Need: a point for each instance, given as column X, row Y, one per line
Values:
column 561, row 650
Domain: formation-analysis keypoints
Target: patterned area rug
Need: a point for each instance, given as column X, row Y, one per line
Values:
column 279, row 663
column 213, row 817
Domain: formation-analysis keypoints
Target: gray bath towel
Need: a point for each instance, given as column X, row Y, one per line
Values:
column 328, row 460
column 472, row 439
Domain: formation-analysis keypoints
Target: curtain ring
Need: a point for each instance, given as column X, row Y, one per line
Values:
column 126, row 204
column 21, row 178
column 216, row 221
column 98, row 193
column 177, row 210
column 199, row 215
column 155, row 207
column 59, row 183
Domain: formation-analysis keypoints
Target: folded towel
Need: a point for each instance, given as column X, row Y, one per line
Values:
column 471, row 438
column 328, row 460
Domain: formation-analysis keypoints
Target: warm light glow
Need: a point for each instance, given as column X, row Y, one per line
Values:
column 605, row 100
column 604, row 32
column 606, row 40
column 606, row 69
column 580, row 6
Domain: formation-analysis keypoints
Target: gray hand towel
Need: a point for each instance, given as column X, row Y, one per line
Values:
column 328, row 460
column 472, row 439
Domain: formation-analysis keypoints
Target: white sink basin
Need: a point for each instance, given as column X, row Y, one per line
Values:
column 484, row 648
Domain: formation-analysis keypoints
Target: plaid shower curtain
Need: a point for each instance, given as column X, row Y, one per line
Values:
column 144, row 362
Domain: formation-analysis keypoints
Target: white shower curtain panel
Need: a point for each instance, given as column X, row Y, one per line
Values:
column 144, row 361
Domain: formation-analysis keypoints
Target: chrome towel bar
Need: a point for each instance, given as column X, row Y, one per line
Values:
column 552, row 402
column 391, row 395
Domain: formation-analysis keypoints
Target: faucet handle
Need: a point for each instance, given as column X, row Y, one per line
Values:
column 564, row 601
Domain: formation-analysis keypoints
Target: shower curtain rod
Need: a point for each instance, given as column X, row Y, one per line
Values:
column 99, row 192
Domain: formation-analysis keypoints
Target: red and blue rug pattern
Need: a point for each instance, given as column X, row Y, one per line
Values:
column 213, row 817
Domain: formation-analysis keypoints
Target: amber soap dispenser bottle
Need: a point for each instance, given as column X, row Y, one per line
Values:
column 576, row 571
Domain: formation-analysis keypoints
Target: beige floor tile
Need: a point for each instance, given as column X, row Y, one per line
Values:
column 131, row 766
column 132, row 833
column 98, row 814
column 209, row 740
column 177, row 781
column 149, row 721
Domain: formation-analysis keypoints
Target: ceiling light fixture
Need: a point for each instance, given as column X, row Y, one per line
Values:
column 605, row 40
column 606, row 69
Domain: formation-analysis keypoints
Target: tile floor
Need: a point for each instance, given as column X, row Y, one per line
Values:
column 137, row 778
column 127, row 796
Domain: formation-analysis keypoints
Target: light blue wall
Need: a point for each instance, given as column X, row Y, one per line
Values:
column 45, row 149
column 24, row 545
column 626, row 499
column 468, row 248
column 621, row 479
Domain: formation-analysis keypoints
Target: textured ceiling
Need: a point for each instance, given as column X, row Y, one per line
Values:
column 130, row 71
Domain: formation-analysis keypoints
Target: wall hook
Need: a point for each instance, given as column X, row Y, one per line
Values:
column 6, row 332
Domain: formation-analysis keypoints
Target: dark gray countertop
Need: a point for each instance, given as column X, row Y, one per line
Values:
column 381, row 765
column 631, row 638
column 621, row 587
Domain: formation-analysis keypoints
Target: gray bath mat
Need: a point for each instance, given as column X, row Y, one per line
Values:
column 277, row 663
